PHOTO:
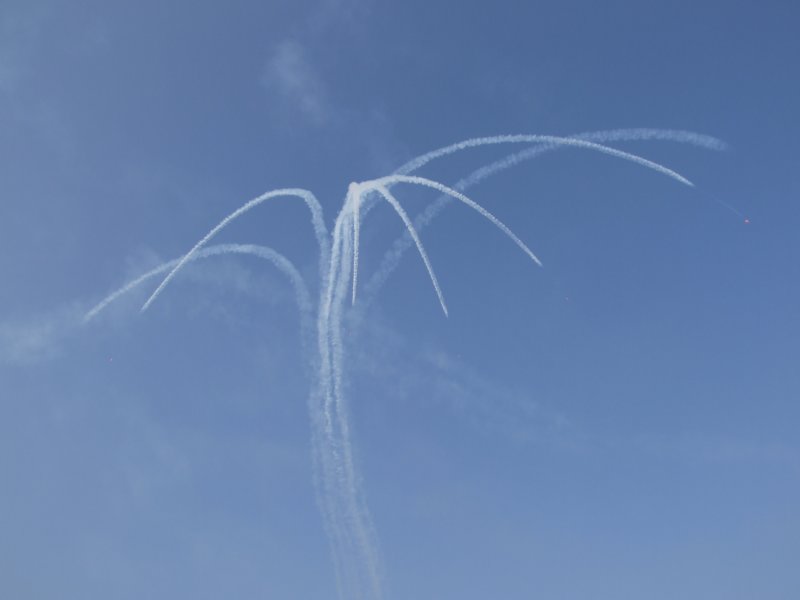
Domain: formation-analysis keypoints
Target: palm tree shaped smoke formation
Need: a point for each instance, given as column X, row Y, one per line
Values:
column 339, row 489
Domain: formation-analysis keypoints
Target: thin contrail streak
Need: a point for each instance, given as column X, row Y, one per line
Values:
column 640, row 134
column 384, row 191
column 327, row 434
column 354, row 194
column 281, row 262
column 316, row 219
column 586, row 140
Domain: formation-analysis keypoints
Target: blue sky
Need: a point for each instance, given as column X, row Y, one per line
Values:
column 618, row 424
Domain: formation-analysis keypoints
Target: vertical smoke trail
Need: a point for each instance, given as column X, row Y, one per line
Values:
column 354, row 544
column 363, row 542
column 316, row 221
column 354, row 194
column 322, row 436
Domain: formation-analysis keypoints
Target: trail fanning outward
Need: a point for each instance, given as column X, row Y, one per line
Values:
column 392, row 257
column 462, row 198
column 277, row 259
column 316, row 219
column 340, row 494
column 384, row 191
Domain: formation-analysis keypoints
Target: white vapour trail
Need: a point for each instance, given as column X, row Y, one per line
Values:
column 345, row 507
column 392, row 179
column 549, row 142
column 364, row 542
column 336, row 426
column 384, row 191
column 356, row 190
column 327, row 472
column 392, row 257
column 281, row 262
column 316, row 219
column 581, row 141
column 641, row 134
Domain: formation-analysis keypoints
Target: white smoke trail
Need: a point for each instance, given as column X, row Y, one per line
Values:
column 325, row 452
column 641, row 134
column 580, row 142
column 316, row 219
column 354, row 192
column 339, row 488
column 359, row 558
column 392, row 257
column 461, row 198
column 384, row 191
column 281, row 262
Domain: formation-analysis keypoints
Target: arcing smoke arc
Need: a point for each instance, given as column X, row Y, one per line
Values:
column 341, row 499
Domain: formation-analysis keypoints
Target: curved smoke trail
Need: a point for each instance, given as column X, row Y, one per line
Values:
column 546, row 139
column 585, row 140
column 392, row 257
column 469, row 202
column 590, row 141
column 283, row 264
column 384, row 191
column 355, row 543
column 317, row 222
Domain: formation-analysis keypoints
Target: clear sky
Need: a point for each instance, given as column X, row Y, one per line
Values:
column 619, row 424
